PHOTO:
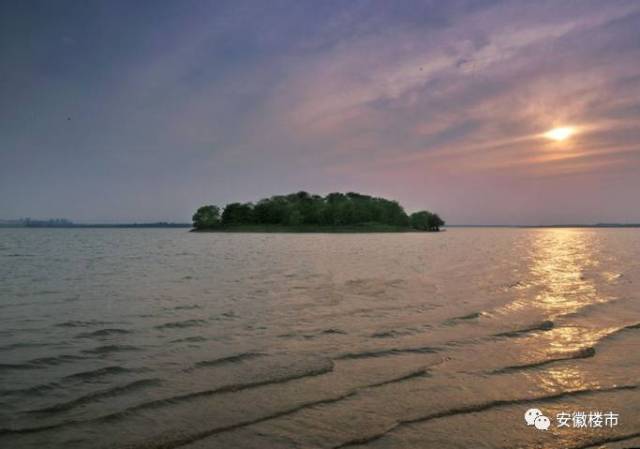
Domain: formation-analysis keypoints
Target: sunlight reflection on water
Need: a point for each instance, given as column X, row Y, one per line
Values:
column 558, row 261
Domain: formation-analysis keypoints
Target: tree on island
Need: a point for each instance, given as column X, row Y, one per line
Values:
column 304, row 210
column 207, row 217
column 426, row 221
column 237, row 213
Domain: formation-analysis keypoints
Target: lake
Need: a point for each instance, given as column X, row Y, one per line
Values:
column 162, row 338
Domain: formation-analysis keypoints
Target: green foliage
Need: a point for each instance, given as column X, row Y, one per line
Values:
column 237, row 213
column 206, row 217
column 295, row 218
column 426, row 221
column 302, row 209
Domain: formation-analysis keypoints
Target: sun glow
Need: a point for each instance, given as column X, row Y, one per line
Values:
column 560, row 133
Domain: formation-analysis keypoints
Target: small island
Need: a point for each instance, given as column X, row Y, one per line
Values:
column 305, row 212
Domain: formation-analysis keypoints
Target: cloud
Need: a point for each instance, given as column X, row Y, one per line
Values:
column 428, row 102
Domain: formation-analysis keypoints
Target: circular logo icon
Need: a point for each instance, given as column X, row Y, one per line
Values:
column 542, row 422
column 531, row 415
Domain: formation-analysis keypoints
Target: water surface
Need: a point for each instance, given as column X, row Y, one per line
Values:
column 162, row 338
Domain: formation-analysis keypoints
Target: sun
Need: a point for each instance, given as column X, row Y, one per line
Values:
column 559, row 134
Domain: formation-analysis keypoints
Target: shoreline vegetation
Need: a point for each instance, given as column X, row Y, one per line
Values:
column 305, row 212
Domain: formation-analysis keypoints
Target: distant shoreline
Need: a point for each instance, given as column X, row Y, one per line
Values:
column 310, row 229
column 100, row 226
column 598, row 225
column 304, row 228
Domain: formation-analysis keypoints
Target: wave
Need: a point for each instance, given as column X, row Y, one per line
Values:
column 412, row 375
column 600, row 442
column 517, row 285
column 187, row 307
column 10, row 431
column 103, row 333
column 230, row 359
column 188, row 439
column 36, row 390
column 204, row 434
column 107, row 349
column 543, row 326
column 95, row 396
column 583, row 353
column 22, row 345
column 455, row 320
column 181, row 324
column 624, row 329
column 106, row 371
column 79, row 323
column 586, row 309
column 313, row 334
column 56, row 360
column 326, row 367
column 475, row 408
column 194, row 339
column 332, row 331
column 231, row 388
column 18, row 366
column 393, row 333
column 192, row 438
column 387, row 352
column 386, row 334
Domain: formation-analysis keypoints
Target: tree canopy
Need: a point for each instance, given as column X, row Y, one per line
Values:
column 302, row 208
column 206, row 217
column 426, row 221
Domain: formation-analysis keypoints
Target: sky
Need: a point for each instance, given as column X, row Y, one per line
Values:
column 143, row 111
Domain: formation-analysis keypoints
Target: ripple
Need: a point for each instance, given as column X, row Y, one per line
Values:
column 187, row 307
column 455, row 320
column 191, row 438
column 194, row 339
column 107, row 349
column 98, row 395
column 324, row 367
column 622, row 330
column 41, row 362
column 388, row 352
column 80, row 323
column 475, row 408
column 393, row 333
column 22, row 345
column 56, row 360
column 583, row 353
column 230, row 359
column 17, row 366
column 103, row 333
column 100, row 372
column 181, row 324
column 543, row 326
column 36, row 390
